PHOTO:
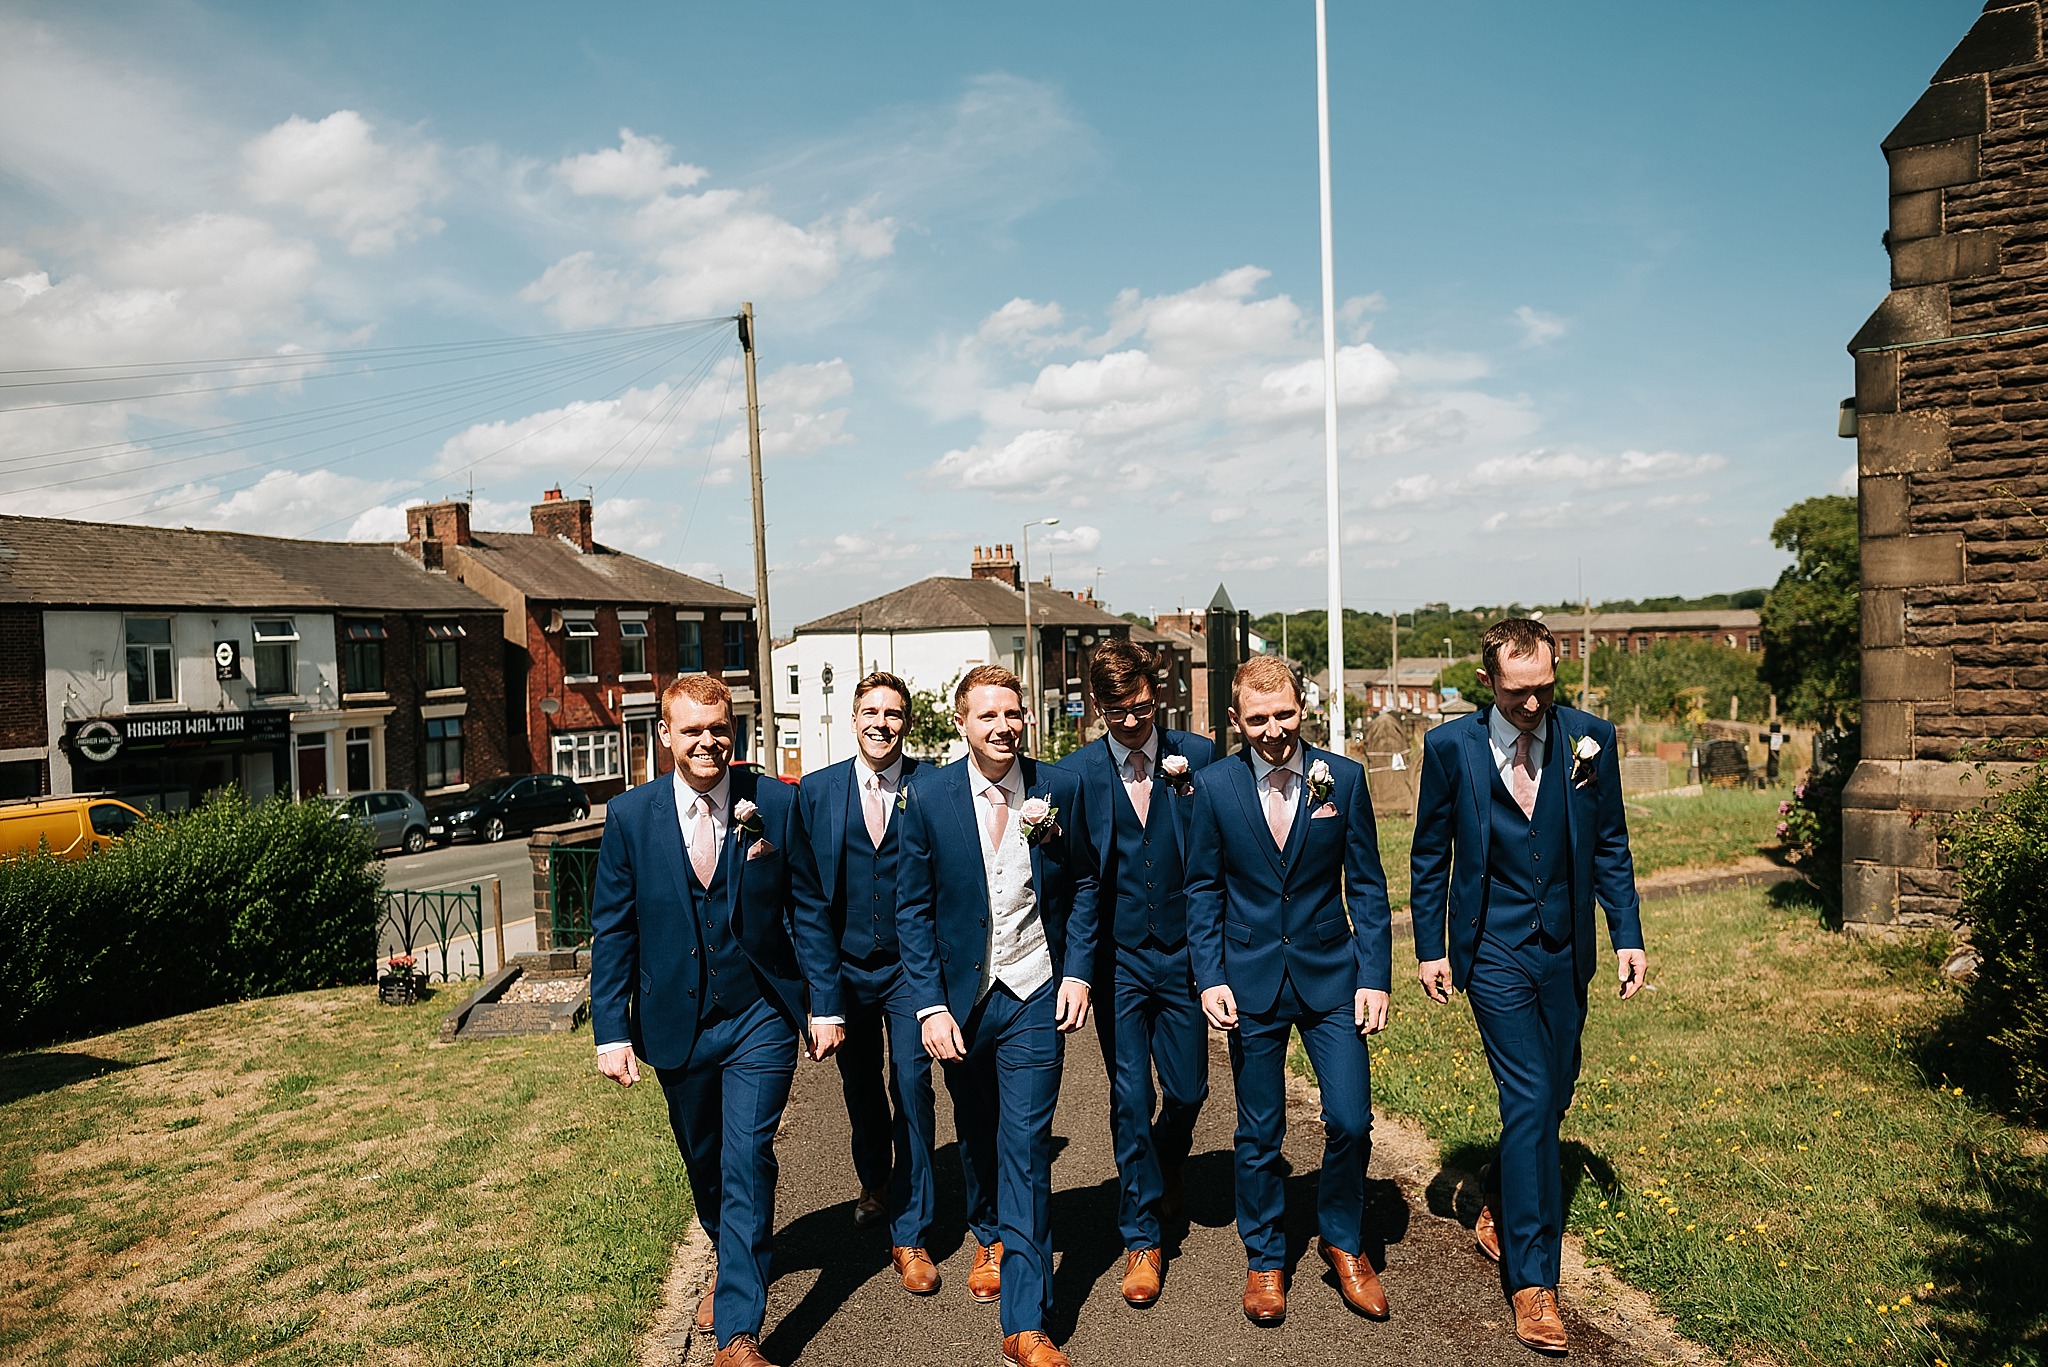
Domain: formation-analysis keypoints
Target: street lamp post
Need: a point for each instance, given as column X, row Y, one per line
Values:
column 1031, row 628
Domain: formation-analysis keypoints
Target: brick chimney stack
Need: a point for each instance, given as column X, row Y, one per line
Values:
column 998, row 562
column 568, row 518
column 430, row 528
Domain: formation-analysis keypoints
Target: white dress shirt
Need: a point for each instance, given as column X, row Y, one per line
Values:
column 889, row 779
column 1296, row 766
column 1122, row 753
column 1501, row 735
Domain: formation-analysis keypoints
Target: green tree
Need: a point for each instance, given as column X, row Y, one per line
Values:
column 1463, row 675
column 1810, row 621
column 931, row 731
column 1658, row 680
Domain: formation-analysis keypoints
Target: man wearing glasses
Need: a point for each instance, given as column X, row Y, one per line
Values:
column 1137, row 780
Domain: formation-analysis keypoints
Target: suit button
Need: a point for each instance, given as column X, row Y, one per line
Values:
column 1283, row 863
column 1287, row 897
column 1285, row 941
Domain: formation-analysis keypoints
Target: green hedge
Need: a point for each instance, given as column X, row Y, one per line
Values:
column 2000, row 854
column 225, row 902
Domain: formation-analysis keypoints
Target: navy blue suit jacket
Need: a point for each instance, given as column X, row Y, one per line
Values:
column 642, row 970
column 1095, row 763
column 1448, row 885
column 1243, row 894
column 942, row 914
column 825, row 795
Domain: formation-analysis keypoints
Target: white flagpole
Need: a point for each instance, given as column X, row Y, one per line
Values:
column 1333, row 516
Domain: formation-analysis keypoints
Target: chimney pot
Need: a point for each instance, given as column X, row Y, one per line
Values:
column 568, row 518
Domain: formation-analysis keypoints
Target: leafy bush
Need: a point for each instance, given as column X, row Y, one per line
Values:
column 2000, row 854
column 1812, row 821
column 1679, row 680
column 226, row 902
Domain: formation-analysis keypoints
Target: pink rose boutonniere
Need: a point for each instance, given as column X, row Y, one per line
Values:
column 1178, row 773
column 1320, row 783
column 1037, row 817
column 746, row 818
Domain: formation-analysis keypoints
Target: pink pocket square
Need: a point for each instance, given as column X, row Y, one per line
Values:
column 1327, row 809
column 759, row 849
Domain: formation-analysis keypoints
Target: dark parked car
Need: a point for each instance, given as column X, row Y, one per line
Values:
column 498, row 807
column 396, row 819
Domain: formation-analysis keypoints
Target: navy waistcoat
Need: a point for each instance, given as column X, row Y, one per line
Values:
column 1529, row 864
column 730, row 984
column 867, row 886
column 1150, row 905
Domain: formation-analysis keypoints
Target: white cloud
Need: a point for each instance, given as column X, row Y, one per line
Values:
column 1538, row 328
column 1847, row 481
column 368, row 193
column 1365, row 376
column 1218, row 318
column 1037, row 460
column 1082, row 538
column 638, row 168
column 1218, row 516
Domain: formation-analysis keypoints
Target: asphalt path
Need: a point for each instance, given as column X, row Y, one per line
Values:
column 835, row 1299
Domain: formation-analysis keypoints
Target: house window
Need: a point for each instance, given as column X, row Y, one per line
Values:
column 359, row 759
column 444, row 654
column 735, row 656
column 1642, row 644
column 794, row 677
column 150, row 675
column 632, row 648
column 689, row 647
column 276, row 643
column 588, row 756
column 444, row 752
column 1756, row 643
column 362, row 657
column 579, row 657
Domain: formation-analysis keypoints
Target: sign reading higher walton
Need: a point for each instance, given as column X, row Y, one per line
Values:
column 100, row 739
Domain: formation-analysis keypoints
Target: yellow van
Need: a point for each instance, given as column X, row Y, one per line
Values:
column 73, row 827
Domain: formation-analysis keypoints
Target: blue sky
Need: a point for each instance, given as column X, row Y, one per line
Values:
column 1596, row 264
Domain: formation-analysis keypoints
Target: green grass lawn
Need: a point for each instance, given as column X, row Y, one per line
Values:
column 1769, row 1145
column 312, row 1179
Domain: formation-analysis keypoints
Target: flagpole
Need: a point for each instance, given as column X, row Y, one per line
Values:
column 1332, row 511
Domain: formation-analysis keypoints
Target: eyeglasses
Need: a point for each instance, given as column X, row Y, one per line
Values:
column 1140, row 711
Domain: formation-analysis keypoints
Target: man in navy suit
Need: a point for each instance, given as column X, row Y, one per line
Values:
column 1139, row 781
column 1281, row 843
column 1518, row 827
column 708, row 932
column 849, row 813
column 995, row 912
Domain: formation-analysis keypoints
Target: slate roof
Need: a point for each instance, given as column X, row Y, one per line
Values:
column 1710, row 619
column 942, row 604
column 54, row 562
column 549, row 569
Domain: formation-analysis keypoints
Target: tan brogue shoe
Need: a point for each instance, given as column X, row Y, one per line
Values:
column 1033, row 1349
column 1357, row 1283
column 704, row 1313
column 985, row 1278
column 872, row 1208
column 1142, row 1273
column 1538, row 1322
column 920, row 1274
column 742, row 1351
column 1485, row 1232
column 1265, row 1296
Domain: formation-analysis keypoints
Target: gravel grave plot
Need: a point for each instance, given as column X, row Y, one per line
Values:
column 546, row 989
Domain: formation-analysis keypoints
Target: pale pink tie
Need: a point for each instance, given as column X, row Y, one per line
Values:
column 1525, row 776
column 877, row 810
column 1277, row 783
column 1138, row 784
column 703, row 841
column 998, row 816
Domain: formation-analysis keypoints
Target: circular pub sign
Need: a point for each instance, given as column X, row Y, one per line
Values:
column 98, row 741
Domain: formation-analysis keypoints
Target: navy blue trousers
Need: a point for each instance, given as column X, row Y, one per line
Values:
column 1003, row 1094
column 1531, row 1008
column 1258, row 1060
column 1152, row 1017
column 889, row 1111
column 724, row 1106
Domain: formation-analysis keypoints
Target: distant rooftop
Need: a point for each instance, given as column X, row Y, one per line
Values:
column 1706, row 619
column 553, row 570
column 941, row 604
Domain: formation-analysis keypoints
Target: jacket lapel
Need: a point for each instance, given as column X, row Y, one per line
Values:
column 1298, row 833
column 837, row 795
column 737, row 841
column 1557, row 763
column 963, row 811
column 669, row 840
column 1247, row 784
column 1102, row 776
column 1035, row 785
column 1480, row 775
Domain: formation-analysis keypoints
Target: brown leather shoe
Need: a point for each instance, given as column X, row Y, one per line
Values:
column 1172, row 1198
column 1538, row 1322
column 872, row 1208
column 1033, row 1349
column 1485, row 1232
column 1265, row 1296
column 1357, row 1283
column 742, row 1351
column 985, row 1278
column 704, row 1313
column 920, row 1274
column 1142, row 1273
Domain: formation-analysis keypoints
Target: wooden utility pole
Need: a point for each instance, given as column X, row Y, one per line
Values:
column 764, row 647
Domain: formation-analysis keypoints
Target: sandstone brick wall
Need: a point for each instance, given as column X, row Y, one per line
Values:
column 1952, row 426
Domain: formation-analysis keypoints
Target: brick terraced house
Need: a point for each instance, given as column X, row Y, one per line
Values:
column 1950, row 418
column 592, row 635
column 160, row 663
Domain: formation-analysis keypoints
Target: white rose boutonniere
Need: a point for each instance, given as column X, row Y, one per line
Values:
column 746, row 818
column 1036, row 816
column 1178, row 774
column 1585, row 761
column 1320, row 783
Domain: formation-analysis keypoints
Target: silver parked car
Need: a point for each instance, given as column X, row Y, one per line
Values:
column 397, row 820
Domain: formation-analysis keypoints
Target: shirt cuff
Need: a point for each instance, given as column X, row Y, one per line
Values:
column 930, row 1011
column 828, row 1020
column 1083, row 981
column 615, row 1044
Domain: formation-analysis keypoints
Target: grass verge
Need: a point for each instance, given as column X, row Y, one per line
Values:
column 1765, row 1143
column 312, row 1179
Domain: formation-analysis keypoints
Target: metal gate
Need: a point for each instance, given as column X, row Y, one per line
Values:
column 572, row 879
column 442, row 928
